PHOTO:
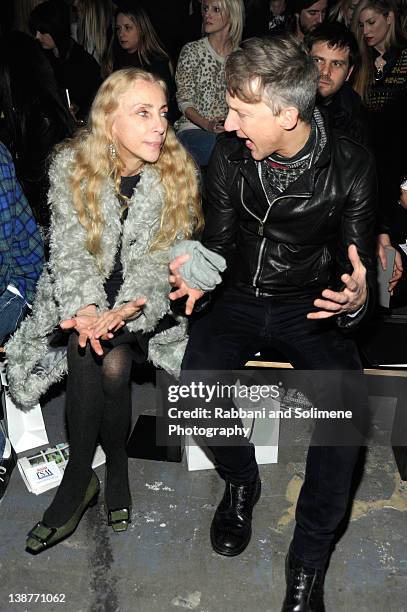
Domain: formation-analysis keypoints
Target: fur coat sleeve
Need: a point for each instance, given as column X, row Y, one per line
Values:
column 78, row 281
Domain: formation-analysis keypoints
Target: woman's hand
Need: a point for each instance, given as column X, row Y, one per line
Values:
column 215, row 126
column 83, row 323
column 112, row 320
column 181, row 287
column 383, row 243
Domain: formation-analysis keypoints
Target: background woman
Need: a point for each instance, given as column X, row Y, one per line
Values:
column 122, row 192
column 200, row 77
column 136, row 44
column 35, row 116
column 382, row 83
column 74, row 68
column 342, row 11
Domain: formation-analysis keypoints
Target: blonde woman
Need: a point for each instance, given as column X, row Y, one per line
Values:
column 382, row 74
column 122, row 193
column 200, row 77
column 381, row 82
column 342, row 11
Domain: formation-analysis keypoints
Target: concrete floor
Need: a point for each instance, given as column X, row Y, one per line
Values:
column 165, row 563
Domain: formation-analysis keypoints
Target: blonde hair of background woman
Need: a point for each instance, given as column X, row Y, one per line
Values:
column 402, row 9
column 338, row 12
column 235, row 10
column 22, row 11
column 95, row 22
column 181, row 214
column 364, row 77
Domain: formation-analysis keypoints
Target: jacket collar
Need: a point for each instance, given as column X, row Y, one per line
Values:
column 304, row 184
column 240, row 152
column 391, row 55
column 345, row 101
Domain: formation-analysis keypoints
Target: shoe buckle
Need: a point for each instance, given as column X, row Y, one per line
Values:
column 42, row 533
column 121, row 515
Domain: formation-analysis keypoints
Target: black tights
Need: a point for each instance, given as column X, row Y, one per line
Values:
column 98, row 404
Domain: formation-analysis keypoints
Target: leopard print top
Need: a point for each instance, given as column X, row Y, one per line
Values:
column 200, row 79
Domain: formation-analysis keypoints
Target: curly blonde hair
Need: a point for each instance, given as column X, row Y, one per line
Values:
column 93, row 162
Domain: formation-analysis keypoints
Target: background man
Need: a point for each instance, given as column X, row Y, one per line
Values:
column 335, row 52
column 291, row 207
column 307, row 15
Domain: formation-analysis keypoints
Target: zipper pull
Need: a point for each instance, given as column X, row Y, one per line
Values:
column 260, row 231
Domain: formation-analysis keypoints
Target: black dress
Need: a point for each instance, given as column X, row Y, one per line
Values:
column 387, row 121
column 138, row 340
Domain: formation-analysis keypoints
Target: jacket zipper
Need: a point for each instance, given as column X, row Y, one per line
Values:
column 260, row 230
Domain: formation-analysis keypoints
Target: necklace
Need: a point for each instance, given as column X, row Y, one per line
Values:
column 379, row 66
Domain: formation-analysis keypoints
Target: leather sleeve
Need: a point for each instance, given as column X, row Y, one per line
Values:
column 359, row 228
column 220, row 214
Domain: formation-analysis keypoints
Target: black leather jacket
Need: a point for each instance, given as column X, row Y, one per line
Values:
column 295, row 246
column 346, row 113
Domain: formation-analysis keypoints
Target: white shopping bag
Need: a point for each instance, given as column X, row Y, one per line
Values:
column 26, row 430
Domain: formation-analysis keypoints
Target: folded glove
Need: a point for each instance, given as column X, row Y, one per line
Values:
column 202, row 270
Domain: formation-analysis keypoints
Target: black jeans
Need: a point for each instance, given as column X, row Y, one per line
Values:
column 236, row 328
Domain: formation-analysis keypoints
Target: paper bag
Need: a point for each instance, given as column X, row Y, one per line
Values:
column 26, row 430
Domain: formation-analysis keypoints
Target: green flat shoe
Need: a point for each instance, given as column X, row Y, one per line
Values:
column 42, row 537
column 119, row 519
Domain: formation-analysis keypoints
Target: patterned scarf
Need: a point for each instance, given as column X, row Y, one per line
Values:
column 277, row 172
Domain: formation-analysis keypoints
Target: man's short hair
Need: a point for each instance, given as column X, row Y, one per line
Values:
column 300, row 5
column 334, row 35
column 276, row 71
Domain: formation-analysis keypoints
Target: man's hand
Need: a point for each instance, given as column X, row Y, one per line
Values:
column 351, row 298
column 383, row 240
column 83, row 323
column 112, row 320
column 182, row 288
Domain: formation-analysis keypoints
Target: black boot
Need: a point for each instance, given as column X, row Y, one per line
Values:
column 231, row 527
column 305, row 587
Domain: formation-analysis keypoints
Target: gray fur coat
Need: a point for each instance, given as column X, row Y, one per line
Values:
column 73, row 279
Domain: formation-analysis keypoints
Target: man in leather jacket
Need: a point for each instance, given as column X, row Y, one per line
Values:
column 291, row 207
